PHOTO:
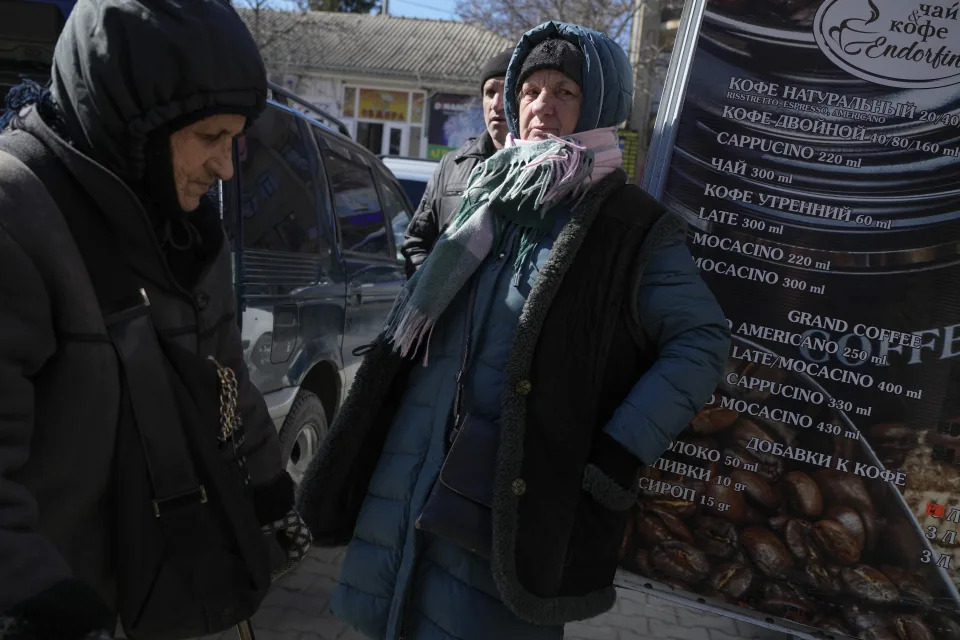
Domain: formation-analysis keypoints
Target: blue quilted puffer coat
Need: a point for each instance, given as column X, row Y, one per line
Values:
column 395, row 581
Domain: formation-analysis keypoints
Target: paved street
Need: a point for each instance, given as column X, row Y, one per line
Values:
column 296, row 609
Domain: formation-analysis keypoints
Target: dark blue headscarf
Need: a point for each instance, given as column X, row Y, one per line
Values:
column 607, row 80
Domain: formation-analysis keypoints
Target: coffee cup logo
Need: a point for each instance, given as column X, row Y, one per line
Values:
column 892, row 42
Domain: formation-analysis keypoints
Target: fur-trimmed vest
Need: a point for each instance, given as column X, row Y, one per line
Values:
column 563, row 489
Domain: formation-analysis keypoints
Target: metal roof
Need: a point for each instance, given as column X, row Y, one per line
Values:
column 349, row 43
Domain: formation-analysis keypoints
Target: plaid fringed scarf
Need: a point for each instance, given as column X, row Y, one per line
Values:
column 513, row 190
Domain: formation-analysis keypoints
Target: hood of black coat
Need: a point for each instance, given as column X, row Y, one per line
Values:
column 125, row 68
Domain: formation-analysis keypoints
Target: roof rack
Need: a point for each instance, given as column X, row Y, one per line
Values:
column 282, row 95
column 387, row 155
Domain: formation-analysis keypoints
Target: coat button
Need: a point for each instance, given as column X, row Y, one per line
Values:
column 519, row 487
column 524, row 387
column 202, row 300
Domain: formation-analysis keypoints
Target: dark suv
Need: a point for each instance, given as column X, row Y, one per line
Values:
column 316, row 222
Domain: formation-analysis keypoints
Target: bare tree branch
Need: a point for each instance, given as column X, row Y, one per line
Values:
column 272, row 20
column 275, row 20
column 511, row 18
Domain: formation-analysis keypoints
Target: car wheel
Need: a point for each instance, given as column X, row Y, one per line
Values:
column 303, row 430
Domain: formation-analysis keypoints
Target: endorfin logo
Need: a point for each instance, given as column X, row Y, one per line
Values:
column 896, row 43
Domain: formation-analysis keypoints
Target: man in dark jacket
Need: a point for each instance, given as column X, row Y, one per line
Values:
column 146, row 98
column 442, row 196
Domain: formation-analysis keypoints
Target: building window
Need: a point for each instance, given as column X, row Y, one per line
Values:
column 417, row 101
column 349, row 102
column 396, row 138
column 413, row 146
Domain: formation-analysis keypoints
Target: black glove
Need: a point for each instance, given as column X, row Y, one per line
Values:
column 615, row 461
column 288, row 538
column 292, row 538
column 272, row 500
column 69, row 610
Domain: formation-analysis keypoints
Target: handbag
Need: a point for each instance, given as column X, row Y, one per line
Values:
column 191, row 559
column 459, row 505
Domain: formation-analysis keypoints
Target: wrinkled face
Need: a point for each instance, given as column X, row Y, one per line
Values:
column 549, row 103
column 493, row 111
column 202, row 154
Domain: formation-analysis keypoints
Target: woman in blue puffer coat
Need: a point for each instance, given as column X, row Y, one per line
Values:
column 592, row 342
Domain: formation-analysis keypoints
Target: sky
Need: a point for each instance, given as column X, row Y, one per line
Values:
column 440, row 9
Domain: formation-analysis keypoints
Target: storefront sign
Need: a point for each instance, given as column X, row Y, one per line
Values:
column 817, row 161
column 891, row 42
column 454, row 118
column 376, row 104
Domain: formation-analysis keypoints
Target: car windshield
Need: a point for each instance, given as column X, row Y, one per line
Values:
column 414, row 189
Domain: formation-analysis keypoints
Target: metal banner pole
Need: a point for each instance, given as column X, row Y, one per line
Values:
column 674, row 92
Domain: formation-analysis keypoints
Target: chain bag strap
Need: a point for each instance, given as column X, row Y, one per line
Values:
column 231, row 422
column 228, row 400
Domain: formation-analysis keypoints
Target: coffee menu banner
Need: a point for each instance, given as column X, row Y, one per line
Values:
column 817, row 161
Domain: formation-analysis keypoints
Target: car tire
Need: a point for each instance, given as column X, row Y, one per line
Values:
column 303, row 431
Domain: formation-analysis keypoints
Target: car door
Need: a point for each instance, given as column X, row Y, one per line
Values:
column 365, row 211
column 288, row 274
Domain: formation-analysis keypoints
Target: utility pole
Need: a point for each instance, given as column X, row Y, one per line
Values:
column 644, row 45
column 385, row 7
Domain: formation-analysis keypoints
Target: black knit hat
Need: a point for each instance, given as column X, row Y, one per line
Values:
column 554, row 53
column 496, row 66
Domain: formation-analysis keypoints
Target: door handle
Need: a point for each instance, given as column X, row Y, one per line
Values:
column 356, row 291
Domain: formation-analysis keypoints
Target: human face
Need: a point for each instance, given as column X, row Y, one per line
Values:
column 493, row 111
column 549, row 104
column 203, row 153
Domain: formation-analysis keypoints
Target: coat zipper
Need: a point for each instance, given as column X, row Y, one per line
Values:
column 402, row 614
